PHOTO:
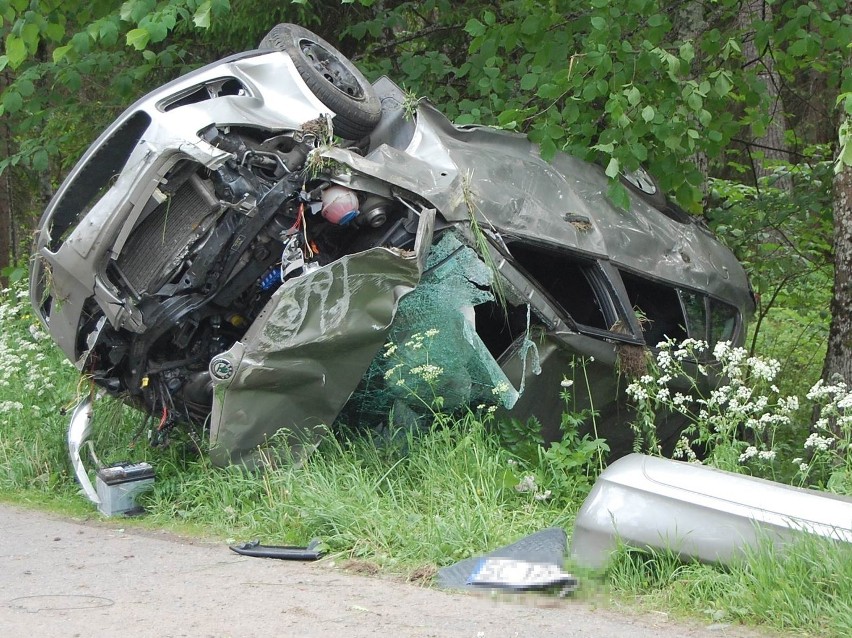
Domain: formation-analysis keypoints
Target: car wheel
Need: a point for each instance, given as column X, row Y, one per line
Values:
column 335, row 81
column 642, row 183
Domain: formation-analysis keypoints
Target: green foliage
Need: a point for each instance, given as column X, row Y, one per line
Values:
column 620, row 82
column 784, row 241
column 739, row 420
column 402, row 501
column 804, row 587
column 31, row 432
column 563, row 470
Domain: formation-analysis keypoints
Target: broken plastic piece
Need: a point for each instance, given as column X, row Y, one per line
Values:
column 79, row 430
column 313, row 551
column 698, row 512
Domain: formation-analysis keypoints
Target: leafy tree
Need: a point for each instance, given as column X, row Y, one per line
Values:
column 671, row 86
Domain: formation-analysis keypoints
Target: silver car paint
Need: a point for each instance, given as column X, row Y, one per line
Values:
column 698, row 512
column 277, row 98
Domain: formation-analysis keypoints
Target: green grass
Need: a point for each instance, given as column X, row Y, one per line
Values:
column 427, row 499
column 404, row 503
column 807, row 588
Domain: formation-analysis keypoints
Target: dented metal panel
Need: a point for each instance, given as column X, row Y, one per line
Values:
column 501, row 179
column 301, row 359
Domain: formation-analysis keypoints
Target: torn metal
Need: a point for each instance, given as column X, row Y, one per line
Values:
column 698, row 512
column 287, row 374
column 219, row 260
column 79, row 431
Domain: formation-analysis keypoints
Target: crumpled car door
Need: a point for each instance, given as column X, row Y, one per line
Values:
column 300, row 361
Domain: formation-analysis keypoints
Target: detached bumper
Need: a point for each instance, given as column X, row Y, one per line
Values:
column 698, row 512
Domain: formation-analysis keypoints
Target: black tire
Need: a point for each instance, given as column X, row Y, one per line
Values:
column 643, row 184
column 335, row 81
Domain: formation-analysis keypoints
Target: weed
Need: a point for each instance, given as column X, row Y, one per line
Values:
column 410, row 103
column 804, row 586
column 563, row 470
column 480, row 241
column 745, row 423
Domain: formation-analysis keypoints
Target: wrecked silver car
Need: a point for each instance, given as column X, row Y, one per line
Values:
column 235, row 251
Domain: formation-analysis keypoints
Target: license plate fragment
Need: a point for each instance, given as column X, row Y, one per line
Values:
column 507, row 573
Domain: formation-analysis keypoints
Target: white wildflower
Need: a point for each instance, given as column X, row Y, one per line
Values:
column 392, row 371
column 679, row 399
column 820, row 443
column 427, row 372
column 390, row 350
column 750, row 452
column 500, row 388
column 527, row 484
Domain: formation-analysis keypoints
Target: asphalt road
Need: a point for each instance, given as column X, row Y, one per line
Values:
column 61, row 577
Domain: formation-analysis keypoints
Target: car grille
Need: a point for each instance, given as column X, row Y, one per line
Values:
column 156, row 247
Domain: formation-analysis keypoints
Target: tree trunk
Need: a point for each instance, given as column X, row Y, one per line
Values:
column 838, row 358
column 689, row 23
column 5, row 192
column 773, row 144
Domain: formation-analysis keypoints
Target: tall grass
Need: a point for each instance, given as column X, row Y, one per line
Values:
column 429, row 498
column 807, row 587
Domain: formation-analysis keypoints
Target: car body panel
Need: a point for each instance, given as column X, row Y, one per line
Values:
column 698, row 512
column 296, row 366
column 501, row 177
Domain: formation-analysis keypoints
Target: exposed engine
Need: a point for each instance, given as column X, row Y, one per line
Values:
column 208, row 252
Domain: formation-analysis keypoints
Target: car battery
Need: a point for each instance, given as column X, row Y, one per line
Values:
column 118, row 485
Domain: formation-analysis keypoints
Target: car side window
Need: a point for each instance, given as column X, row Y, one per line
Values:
column 657, row 307
column 568, row 281
column 723, row 321
column 695, row 308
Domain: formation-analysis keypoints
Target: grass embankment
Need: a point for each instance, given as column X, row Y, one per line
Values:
column 408, row 504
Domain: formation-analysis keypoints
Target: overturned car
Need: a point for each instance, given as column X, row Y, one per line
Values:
column 237, row 249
